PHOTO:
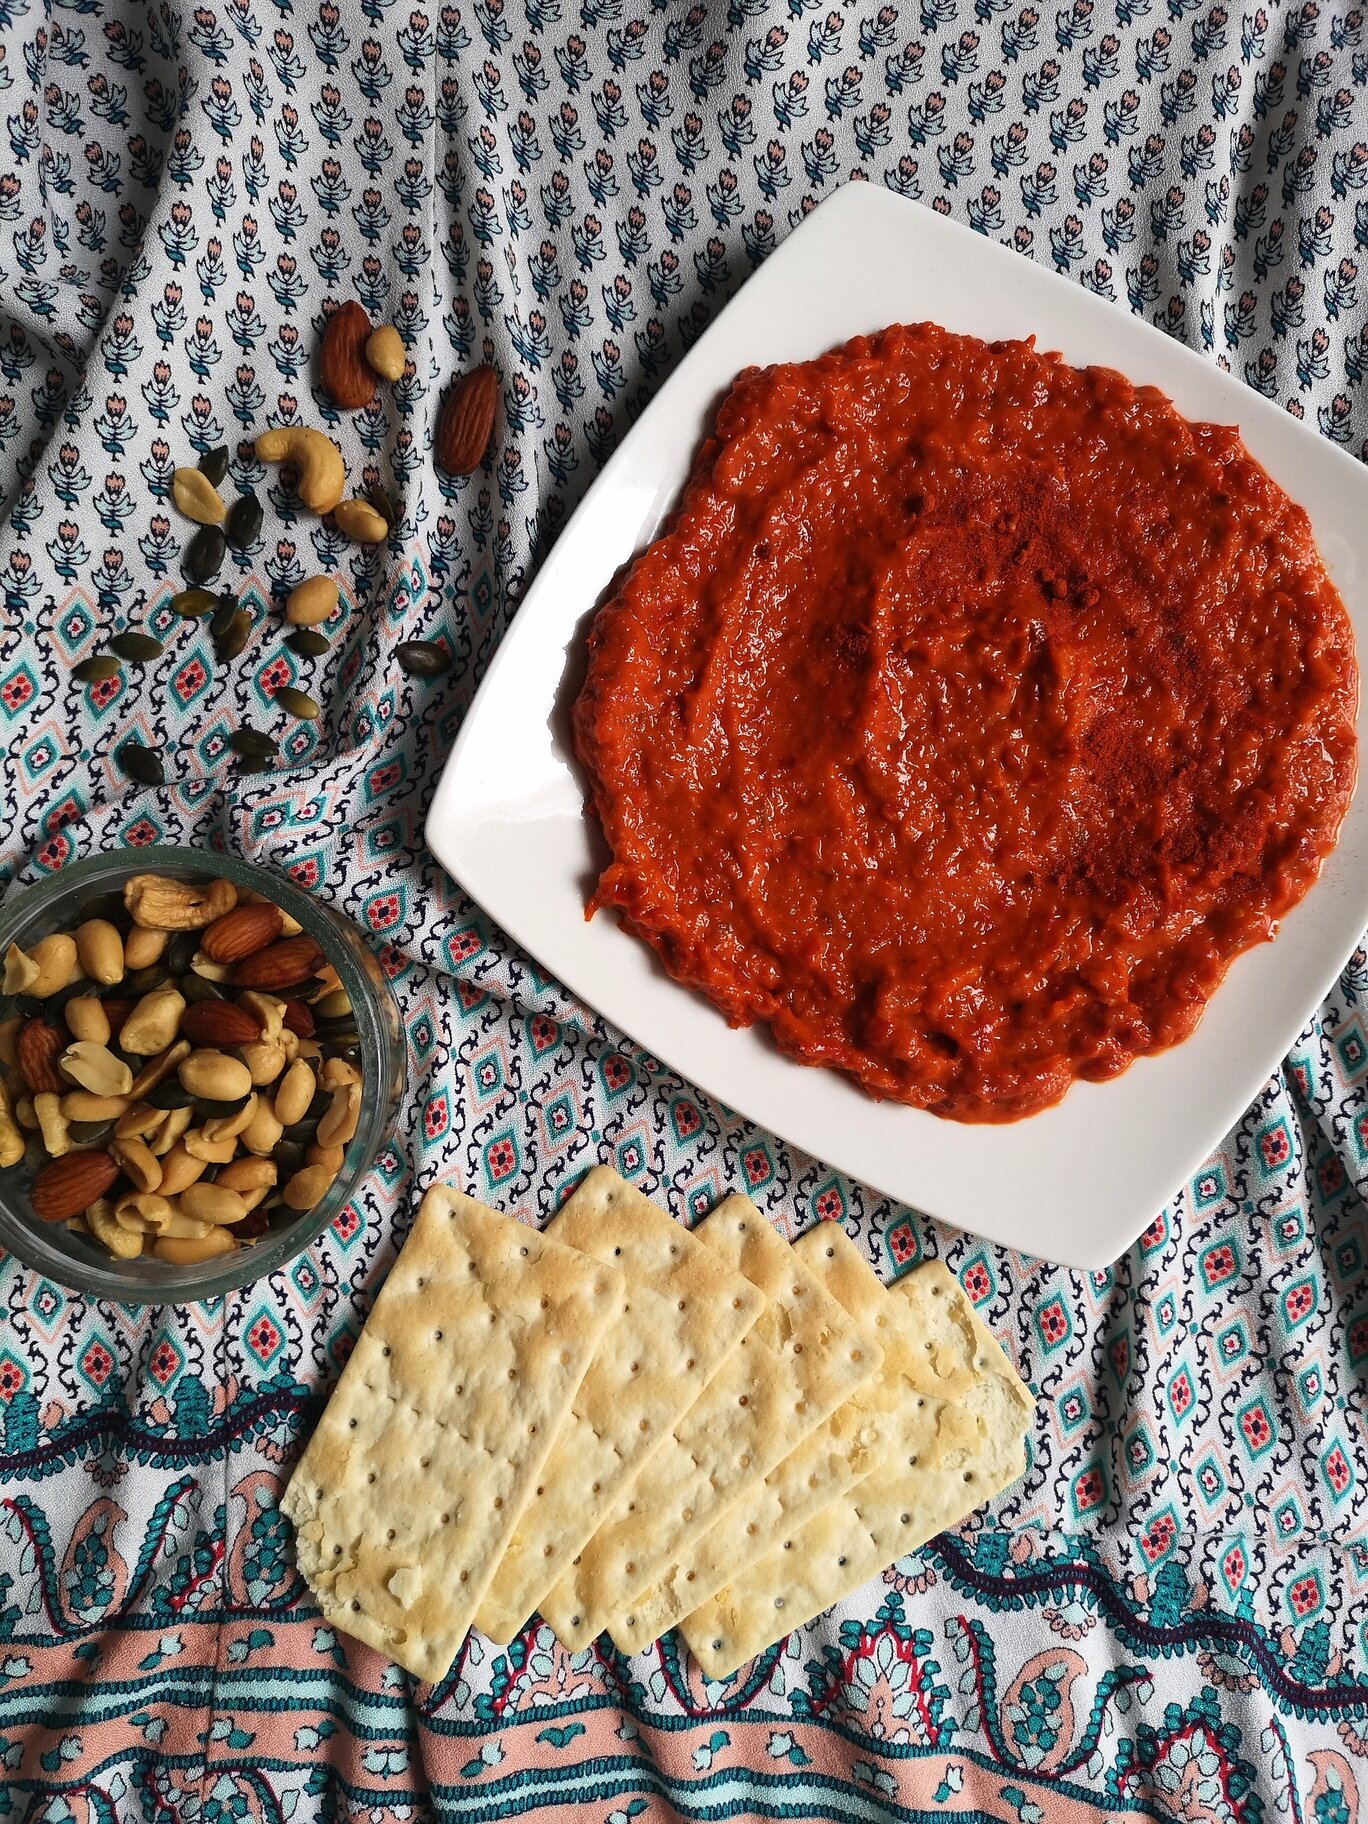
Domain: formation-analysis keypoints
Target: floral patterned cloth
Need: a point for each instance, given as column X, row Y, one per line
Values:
column 1168, row 1617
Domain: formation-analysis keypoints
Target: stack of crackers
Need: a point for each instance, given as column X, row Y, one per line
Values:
column 632, row 1426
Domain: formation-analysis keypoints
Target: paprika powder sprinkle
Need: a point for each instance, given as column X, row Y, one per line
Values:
column 974, row 712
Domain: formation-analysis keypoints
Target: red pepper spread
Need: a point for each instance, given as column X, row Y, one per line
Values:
column 972, row 714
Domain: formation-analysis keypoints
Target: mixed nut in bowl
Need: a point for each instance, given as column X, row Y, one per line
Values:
column 198, row 1066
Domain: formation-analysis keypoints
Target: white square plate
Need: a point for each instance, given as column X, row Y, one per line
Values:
column 1077, row 1182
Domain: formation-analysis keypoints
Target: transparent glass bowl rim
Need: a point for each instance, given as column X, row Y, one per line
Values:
column 130, row 1282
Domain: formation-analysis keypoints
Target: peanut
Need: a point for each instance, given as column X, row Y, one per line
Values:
column 87, row 1019
column 385, row 352
column 313, row 602
column 143, row 947
column 96, row 1068
column 153, row 1023
column 179, row 1170
column 307, row 1186
column 101, row 951
column 294, row 1094
column 215, row 1075
column 192, row 1253
column 212, row 1203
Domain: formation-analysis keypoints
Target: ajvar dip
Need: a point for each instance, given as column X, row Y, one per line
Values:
column 972, row 714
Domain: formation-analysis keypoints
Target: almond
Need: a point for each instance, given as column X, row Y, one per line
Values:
column 466, row 423
column 242, row 932
column 299, row 1019
column 283, row 965
column 38, row 1050
column 68, row 1185
column 342, row 366
column 219, row 1023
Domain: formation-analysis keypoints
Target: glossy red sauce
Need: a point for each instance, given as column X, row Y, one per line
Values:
column 974, row 712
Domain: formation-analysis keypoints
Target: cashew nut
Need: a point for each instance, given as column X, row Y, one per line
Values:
column 161, row 903
column 52, row 1123
column 96, row 1068
column 11, row 1140
column 321, row 474
column 100, row 948
column 122, row 1242
column 87, row 1019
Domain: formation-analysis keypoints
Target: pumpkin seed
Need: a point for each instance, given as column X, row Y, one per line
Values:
column 143, row 981
column 170, row 1094
column 137, row 648
column 96, row 670
column 180, row 951
column 141, row 764
column 423, row 658
column 302, row 1133
column 108, row 906
column 254, row 742
column 200, row 988
column 289, row 1157
column 90, row 1133
column 204, row 554
column 244, row 522
column 27, row 1004
column 210, row 1108
column 231, row 643
column 308, row 643
column 191, row 604
column 297, row 703
column 214, row 464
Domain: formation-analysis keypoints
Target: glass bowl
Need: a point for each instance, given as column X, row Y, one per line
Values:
column 79, row 1261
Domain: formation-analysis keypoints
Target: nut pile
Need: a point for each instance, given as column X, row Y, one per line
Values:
column 178, row 1070
column 352, row 357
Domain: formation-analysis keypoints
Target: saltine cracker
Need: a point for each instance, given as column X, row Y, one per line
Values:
column 434, row 1437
